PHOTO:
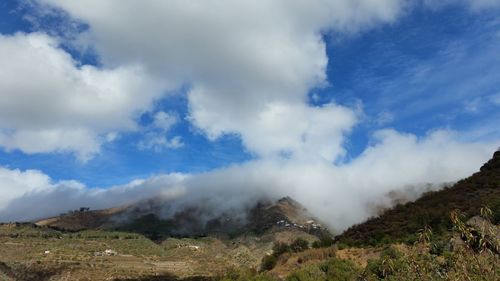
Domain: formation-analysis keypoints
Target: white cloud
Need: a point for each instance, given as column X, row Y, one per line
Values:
column 165, row 121
column 16, row 183
column 155, row 136
column 157, row 142
column 36, row 196
column 82, row 141
column 247, row 62
column 49, row 102
column 301, row 130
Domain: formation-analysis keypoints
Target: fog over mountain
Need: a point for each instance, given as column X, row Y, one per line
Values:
column 339, row 195
column 247, row 69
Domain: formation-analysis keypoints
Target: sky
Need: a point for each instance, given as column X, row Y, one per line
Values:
column 334, row 102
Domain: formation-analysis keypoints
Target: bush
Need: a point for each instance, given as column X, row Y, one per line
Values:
column 280, row 248
column 389, row 260
column 324, row 242
column 340, row 270
column 390, row 252
column 437, row 248
column 374, row 267
column 496, row 213
column 268, row 262
column 333, row 269
column 299, row 245
column 310, row 273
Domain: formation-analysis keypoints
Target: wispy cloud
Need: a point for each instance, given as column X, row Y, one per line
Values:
column 156, row 134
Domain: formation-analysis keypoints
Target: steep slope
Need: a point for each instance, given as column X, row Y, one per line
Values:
column 401, row 223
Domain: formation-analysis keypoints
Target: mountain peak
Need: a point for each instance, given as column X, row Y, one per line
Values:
column 493, row 163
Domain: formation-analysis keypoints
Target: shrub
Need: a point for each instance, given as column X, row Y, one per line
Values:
column 340, row 270
column 299, row 245
column 309, row 273
column 324, row 242
column 333, row 269
column 342, row 246
column 280, row 248
column 437, row 248
column 268, row 262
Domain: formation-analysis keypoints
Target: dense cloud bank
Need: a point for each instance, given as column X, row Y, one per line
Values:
column 340, row 195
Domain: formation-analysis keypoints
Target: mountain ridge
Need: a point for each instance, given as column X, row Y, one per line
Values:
column 401, row 223
column 264, row 216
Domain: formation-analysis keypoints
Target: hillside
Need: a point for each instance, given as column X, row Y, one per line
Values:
column 83, row 219
column 144, row 218
column 401, row 223
column 141, row 242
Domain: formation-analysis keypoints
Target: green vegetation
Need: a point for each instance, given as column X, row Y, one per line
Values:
column 471, row 255
column 27, row 230
column 150, row 226
column 323, row 242
column 299, row 245
column 420, row 264
column 270, row 261
column 333, row 269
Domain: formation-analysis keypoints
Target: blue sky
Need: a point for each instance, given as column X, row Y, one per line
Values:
column 454, row 51
column 197, row 89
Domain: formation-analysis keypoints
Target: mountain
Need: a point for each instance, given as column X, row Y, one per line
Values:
column 401, row 223
column 270, row 241
column 146, row 218
column 135, row 241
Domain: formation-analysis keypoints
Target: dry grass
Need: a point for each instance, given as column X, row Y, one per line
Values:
column 72, row 255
